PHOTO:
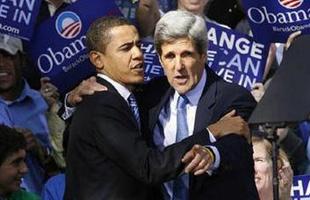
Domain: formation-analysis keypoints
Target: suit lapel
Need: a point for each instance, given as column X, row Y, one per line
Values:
column 205, row 108
column 111, row 88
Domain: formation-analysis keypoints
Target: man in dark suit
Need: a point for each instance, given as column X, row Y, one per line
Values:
column 181, row 48
column 107, row 155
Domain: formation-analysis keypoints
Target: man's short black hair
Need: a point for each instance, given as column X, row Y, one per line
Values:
column 98, row 34
column 10, row 142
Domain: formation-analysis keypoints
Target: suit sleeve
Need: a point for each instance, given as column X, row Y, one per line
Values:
column 118, row 138
column 235, row 151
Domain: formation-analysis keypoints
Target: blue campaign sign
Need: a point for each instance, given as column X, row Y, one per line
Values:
column 275, row 20
column 18, row 17
column 300, row 188
column 128, row 8
column 152, row 66
column 58, row 46
column 236, row 57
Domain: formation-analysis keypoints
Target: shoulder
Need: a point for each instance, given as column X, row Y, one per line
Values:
column 33, row 95
column 54, row 187
column 153, row 91
column 225, row 88
column 157, row 83
column 235, row 91
column 23, row 195
column 104, row 98
column 103, row 102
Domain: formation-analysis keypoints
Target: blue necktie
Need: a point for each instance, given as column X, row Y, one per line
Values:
column 134, row 108
column 180, row 188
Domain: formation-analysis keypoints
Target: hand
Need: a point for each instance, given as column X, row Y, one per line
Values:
column 33, row 145
column 285, row 180
column 258, row 91
column 31, row 141
column 230, row 124
column 291, row 39
column 87, row 87
column 49, row 91
column 198, row 160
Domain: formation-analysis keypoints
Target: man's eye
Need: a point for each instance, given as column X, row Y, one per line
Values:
column 139, row 44
column 187, row 54
column 259, row 160
column 169, row 56
column 126, row 48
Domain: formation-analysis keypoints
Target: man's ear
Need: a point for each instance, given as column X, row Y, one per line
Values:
column 96, row 58
column 161, row 63
column 159, row 58
column 204, row 57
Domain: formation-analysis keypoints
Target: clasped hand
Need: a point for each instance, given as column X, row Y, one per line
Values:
column 198, row 160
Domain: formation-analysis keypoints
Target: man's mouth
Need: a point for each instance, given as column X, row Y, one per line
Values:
column 138, row 67
column 181, row 79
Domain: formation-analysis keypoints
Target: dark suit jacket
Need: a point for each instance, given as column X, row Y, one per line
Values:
column 235, row 177
column 108, row 157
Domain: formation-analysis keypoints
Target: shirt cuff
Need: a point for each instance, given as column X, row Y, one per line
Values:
column 68, row 110
column 211, row 136
column 217, row 157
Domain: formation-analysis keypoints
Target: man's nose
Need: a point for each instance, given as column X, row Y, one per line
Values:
column 179, row 65
column 137, row 53
column 23, row 169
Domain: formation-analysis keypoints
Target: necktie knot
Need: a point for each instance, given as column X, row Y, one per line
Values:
column 182, row 102
column 134, row 108
column 132, row 100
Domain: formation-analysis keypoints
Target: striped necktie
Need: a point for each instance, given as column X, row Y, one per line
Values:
column 134, row 108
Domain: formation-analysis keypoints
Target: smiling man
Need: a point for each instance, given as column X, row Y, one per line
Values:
column 12, row 165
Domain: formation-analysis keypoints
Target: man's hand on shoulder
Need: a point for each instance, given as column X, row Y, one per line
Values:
column 230, row 124
column 86, row 87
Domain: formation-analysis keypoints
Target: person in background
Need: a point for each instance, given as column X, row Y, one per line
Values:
column 293, row 138
column 55, row 124
column 12, row 165
column 263, row 170
column 25, row 109
column 148, row 13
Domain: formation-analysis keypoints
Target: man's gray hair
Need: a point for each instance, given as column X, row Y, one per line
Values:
column 181, row 24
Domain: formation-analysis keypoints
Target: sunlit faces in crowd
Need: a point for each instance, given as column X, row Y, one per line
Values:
column 194, row 6
column 12, row 169
column 182, row 63
column 263, row 168
column 122, row 59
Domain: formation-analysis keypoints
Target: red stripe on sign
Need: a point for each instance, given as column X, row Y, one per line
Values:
column 293, row 4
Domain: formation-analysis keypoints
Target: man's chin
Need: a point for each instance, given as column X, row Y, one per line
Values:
column 181, row 89
column 5, row 89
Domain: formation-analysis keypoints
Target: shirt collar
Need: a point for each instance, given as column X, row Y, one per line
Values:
column 26, row 92
column 194, row 94
column 122, row 90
